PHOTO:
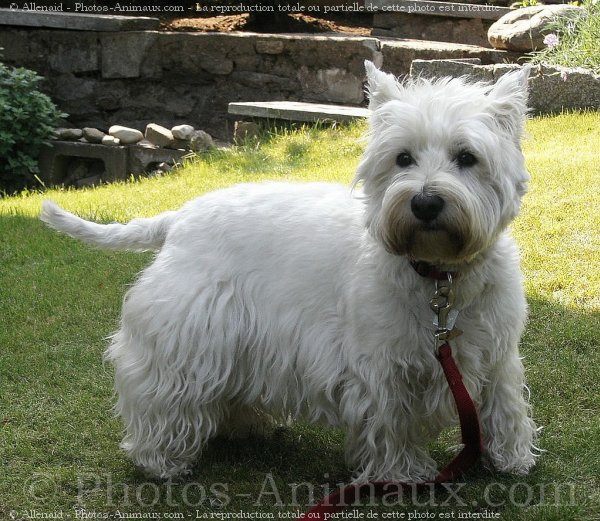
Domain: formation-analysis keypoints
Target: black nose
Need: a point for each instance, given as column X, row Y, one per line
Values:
column 426, row 207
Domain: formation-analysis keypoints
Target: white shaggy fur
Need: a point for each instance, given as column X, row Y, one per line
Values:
column 278, row 299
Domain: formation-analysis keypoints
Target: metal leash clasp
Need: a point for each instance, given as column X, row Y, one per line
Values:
column 441, row 303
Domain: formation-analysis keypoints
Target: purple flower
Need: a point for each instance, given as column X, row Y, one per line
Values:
column 551, row 40
column 564, row 76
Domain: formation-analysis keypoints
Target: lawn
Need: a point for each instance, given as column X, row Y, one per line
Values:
column 59, row 299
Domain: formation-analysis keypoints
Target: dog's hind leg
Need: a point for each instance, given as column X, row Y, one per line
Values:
column 171, row 374
column 166, row 420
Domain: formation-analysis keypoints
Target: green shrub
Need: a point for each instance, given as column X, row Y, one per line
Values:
column 27, row 118
column 574, row 40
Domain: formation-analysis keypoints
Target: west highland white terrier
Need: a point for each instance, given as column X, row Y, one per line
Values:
column 277, row 300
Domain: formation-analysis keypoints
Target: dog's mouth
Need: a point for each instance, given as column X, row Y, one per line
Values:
column 429, row 227
column 429, row 243
column 433, row 242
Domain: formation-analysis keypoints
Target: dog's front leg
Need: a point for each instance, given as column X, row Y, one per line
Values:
column 384, row 439
column 509, row 432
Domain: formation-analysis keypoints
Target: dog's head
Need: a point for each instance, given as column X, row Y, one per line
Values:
column 443, row 173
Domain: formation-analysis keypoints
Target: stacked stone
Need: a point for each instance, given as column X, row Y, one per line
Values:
column 180, row 137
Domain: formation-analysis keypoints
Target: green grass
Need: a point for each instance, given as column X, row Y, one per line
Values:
column 579, row 40
column 59, row 299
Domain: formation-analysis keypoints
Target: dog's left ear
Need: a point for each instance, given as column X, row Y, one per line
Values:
column 508, row 100
column 381, row 87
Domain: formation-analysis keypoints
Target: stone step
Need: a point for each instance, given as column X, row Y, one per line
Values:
column 76, row 21
column 398, row 53
column 297, row 111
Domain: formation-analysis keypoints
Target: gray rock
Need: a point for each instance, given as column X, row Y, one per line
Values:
column 332, row 84
column 110, row 141
column 265, row 46
column 563, row 88
column 93, row 135
column 524, row 29
column 341, row 86
column 68, row 134
column 75, row 57
column 158, row 135
column 146, row 144
column 123, row 54
column 221, row 66
column 180, row 144
column 126, row 135
column 201, row 141
column 182, row 131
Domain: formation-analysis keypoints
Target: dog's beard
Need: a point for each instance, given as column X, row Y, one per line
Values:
column 457, row 235
column 433, row 244
column 421, row 241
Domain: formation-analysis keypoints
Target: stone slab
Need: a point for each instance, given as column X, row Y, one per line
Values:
column 430, row 45
column 454, row 68
column 76, row 21
column 297, row 111
column 447, row 9
column 399, row 54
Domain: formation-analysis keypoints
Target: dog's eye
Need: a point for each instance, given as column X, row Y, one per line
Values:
column 404, row 159
column 465, row 159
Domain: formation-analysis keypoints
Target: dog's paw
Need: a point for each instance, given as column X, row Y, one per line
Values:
column 518, row 466
column 418, row 471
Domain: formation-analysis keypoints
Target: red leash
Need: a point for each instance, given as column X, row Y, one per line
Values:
column 468, row 456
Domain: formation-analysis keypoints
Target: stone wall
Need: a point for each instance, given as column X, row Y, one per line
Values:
column 136, row 77
column 140, row 76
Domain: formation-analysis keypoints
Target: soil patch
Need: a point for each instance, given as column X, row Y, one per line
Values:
column 278, row 23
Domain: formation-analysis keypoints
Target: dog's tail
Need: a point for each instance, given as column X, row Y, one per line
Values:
column 137, row 235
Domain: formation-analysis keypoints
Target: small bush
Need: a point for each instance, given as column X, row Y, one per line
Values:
column 574, row 40
column 27, row 118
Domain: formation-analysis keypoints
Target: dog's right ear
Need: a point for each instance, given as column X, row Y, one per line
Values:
column 508, row 100
column 381, row 87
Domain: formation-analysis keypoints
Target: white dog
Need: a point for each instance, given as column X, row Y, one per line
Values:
column 276, row 300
